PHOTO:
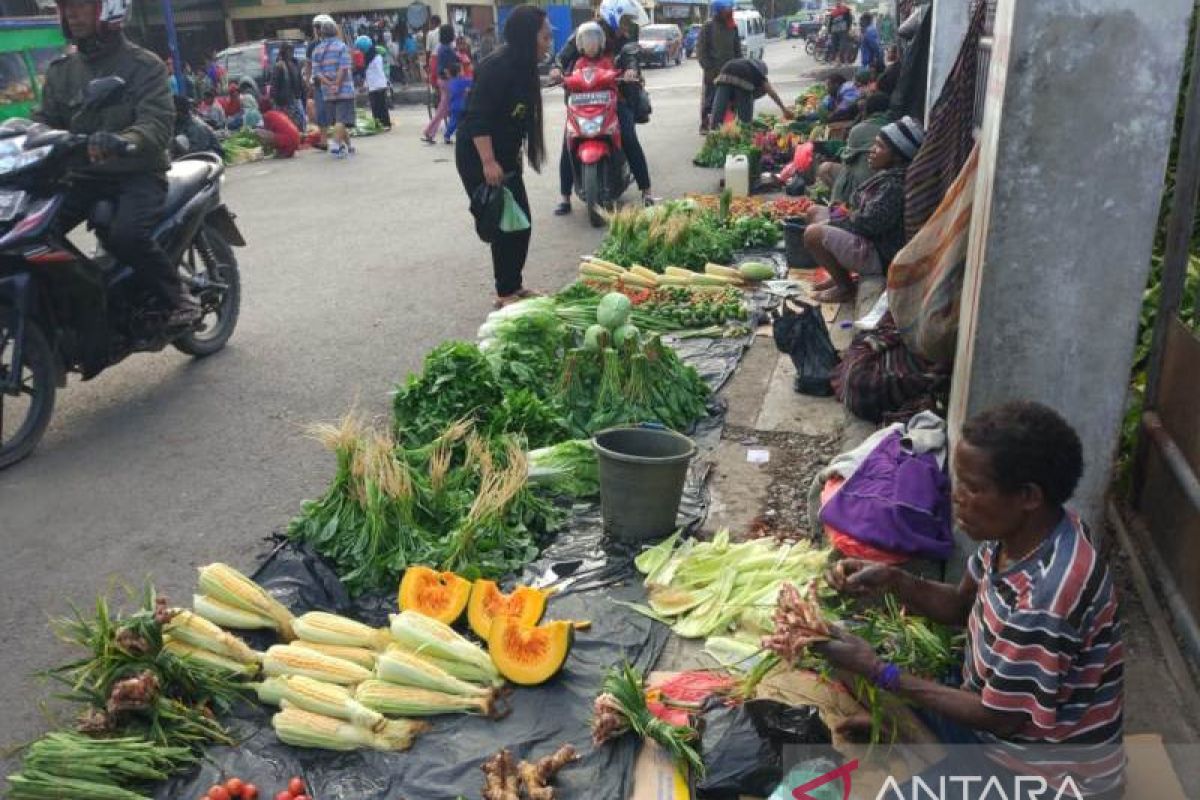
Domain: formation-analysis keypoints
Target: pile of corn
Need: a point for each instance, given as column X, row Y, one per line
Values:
column 336, row 681
column 594, row 270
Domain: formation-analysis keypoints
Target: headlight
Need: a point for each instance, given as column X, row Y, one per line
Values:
column 27, row 158
column 590, row 126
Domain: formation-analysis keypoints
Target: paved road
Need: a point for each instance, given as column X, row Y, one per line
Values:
column 354, row 271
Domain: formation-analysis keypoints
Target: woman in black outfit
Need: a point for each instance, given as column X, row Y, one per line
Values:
column 504, row 114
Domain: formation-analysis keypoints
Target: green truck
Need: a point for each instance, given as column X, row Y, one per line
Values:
column 27, row 46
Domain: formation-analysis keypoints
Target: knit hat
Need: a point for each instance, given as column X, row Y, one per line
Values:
column 905, row 137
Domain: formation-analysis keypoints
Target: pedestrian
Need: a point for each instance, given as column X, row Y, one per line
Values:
column 442, row 59
column 865, row 237
column 839, row 31
column 280, row 132
column 504, row 116
column 462, row 45
column 433, row 36
column 287, row 85
column 739, row 84
column 870, row 50
column 376, row 81
column 459, row 87
column 312, row 83
column 332, row 65
column 718, row 44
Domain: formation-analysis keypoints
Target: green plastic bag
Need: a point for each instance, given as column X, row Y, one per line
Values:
column 513, row 217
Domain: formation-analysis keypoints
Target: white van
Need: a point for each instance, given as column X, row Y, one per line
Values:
column 753, row 31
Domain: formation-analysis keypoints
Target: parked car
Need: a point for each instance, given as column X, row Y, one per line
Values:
column 803, row 26
column 254, row 60
column 660, row 45
column 753, row 31
column 690, row 37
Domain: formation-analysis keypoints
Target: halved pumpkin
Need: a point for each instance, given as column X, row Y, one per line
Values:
column 440, row 595
column 529, row 655
column 488, row 602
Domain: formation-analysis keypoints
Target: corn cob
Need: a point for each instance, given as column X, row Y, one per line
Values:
column 207, row 658
column 680, row 272
column 301, row 728
column 228, row 616
column 405, row 669
column 287, row 660
column 420, row 634
column 469, row 672
column 324, row 628
column 638, row 269
column 198, row 632
column 674, row 280
column 610, row 269
column 409, row 701
column 602, row 263
column 226, row 585
column 319, row 697
column 591, row 271
column 633, row 279
column 712, row 280
column 724, row 272
column 357, row 655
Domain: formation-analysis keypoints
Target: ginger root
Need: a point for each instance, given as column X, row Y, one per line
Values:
column 536, row 777
column 500, row 777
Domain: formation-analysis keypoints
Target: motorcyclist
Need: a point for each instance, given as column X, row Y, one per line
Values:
column 718, row 44
column 127, row 143
column 613, row 17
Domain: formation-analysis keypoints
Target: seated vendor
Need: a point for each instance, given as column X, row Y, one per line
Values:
column 842, row 177
column 1043, row 661
column 865, row 237
column 740, row 83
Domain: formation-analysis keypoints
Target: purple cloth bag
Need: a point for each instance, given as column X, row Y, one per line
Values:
column 895, row 501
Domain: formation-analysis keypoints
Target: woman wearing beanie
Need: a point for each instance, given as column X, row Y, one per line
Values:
column 865, row 237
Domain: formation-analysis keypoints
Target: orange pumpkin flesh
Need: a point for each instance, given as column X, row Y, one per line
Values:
column 529, row 655
column 440, row 595
column 488, row 602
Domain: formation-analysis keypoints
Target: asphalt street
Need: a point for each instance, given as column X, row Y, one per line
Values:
column 354, row 270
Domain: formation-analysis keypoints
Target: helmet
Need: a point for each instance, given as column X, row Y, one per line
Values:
column 720, row 6
column 110, row 14
column 590, row 39
column 321, row 20
column 364, row 44
column 613, row 11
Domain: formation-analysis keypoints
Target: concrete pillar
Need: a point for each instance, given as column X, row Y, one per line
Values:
column 950, row 21
column 1079, row 118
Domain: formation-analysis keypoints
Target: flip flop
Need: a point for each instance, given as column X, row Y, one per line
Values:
column 834, row 296
column 525, row 294
column 823, row 286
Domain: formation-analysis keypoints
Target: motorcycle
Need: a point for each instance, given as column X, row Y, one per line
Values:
column 62, row 311
column 594, row 136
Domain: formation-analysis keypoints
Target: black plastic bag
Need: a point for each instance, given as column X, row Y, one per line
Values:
column 801, row 333
column 487, row 207
column 796, row 187
column 737, row 758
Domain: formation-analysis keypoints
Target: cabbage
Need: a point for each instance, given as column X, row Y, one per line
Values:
column 614, row 310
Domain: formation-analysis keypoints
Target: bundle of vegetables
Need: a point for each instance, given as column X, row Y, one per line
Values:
column 638, row 282
column 810, row 99
column 718, row 144
column 365, row 124
column 242, row 147
column 132, row 681
column 568, row 468
column 747, row 206
column 675, row 233
column 664, row 310
column 460, row 501
column 230, row 599
column 788, row 207
column 754, row 232
column 703, row 589
column 621, row 708
column 505, row 779
column 67, row 764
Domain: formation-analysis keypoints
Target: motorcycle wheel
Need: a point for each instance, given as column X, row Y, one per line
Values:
column 592, row 194
column 810, row 47
column 220, row 306
column 25, row 415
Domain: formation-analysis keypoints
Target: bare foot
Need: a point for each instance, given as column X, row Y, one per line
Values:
column 838, row 294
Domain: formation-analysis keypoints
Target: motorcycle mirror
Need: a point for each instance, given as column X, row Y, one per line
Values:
column 101, row 90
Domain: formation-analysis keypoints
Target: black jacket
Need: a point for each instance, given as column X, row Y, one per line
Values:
column 499, row 106
column 877, row 213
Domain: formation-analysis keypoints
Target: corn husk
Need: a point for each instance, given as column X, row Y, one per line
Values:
column 226, row 585
column 410, row 701
column 319, row 697
column 424, row 636
column 357, row 655
column 402, row 668
column 287, row 660
column 196, row 631
column 324, row 628
column 228, row 616
column 301, row 728
column 187, row 652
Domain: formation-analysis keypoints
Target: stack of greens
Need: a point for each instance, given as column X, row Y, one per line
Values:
column 74, row 765
column 674, row 234
column 726, row 140
column 664, row 310
column 242, row 147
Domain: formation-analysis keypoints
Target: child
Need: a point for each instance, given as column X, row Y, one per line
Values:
column 459, row 87
column 376, row 80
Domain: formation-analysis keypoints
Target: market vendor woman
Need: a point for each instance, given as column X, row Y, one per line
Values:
column 1044, row 659
column 740, row 83
column 504, row 116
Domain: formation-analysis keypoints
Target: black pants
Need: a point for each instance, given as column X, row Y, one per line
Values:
column 706, row 101
column 630, row 144
column 138, row 201
column 727, row 97
column 509, row 250
column 379, row 107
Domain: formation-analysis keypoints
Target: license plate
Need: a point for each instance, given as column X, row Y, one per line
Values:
column 10, row 204
column 590, row 98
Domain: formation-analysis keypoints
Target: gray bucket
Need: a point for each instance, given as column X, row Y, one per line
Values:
column 798, row 256
column 642, row 471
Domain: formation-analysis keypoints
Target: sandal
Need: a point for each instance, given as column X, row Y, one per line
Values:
column 525, row 294
column 507, row 300
column 836, row 295
column 823, row 286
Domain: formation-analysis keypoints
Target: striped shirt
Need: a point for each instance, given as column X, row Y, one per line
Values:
column 1044, row 639
column 329, row 56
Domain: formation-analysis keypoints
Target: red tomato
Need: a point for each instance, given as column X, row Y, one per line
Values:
column 236, row 787
column 218, row 793
column 296, row 787
column 301, row 797
column 250, row 792
column 284, row 795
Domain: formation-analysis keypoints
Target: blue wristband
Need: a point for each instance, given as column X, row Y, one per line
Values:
column 886, row 676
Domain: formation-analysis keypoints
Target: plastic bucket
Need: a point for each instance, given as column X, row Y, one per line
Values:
column 798, row 256
column 642, row 472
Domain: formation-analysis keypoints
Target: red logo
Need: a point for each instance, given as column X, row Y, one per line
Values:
column 842, row 773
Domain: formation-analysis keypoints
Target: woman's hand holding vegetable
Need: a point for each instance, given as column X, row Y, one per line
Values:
column 848, row 652
column 859, row 578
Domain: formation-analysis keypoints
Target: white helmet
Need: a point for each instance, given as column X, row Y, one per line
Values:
column 590, row 39
column 320, row 21
column 613, row 11
column 110, row 14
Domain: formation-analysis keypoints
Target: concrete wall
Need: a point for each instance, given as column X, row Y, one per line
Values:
column 1080, row 113
column 950, row 21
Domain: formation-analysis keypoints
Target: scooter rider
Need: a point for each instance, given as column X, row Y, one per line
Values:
column 127, row 144
column 613, row 18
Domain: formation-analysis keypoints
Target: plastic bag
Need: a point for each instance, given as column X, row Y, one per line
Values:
column 800, row 332
column 737, row 759
column 487, row 206
column 512, row 218
column 804, row 774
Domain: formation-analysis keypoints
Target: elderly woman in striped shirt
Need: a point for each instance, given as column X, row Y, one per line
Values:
column 1044, row 660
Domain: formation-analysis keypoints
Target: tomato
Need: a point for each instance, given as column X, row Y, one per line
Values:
column 250, row 792
column 236, row 787
column 218, row 792
column 296, row 787
column 284, row 795
column 301, row 797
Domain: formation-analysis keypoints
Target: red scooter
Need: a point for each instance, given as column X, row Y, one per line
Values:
column 594, row 135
